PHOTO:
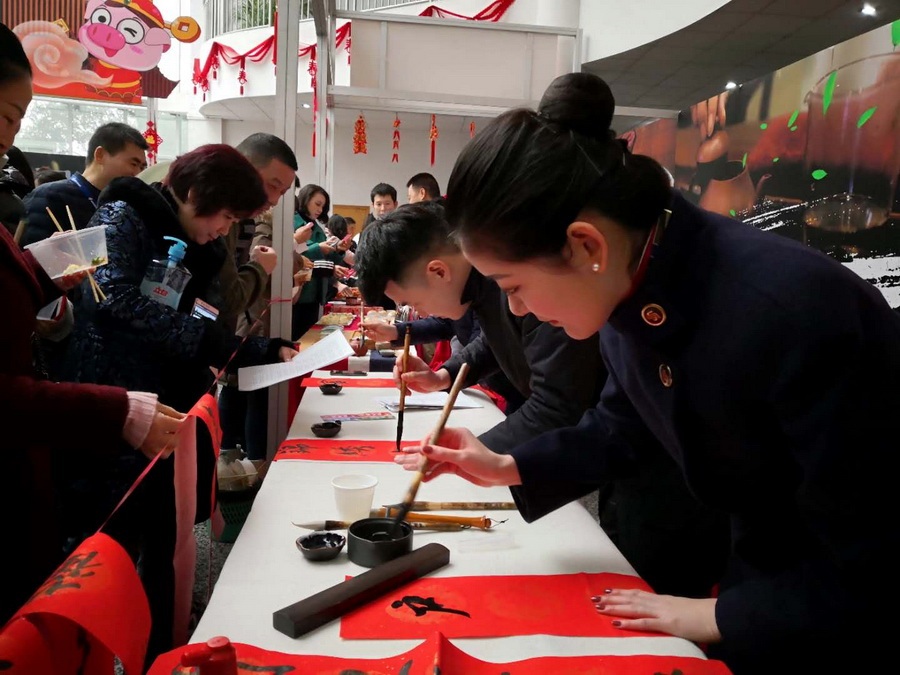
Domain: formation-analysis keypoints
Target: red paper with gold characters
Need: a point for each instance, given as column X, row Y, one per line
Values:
column 91, row 608
column 351, row 382
column 491, row 606
column 438, row 655
column 339, row 451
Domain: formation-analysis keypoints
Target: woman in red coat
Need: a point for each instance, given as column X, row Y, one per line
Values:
column 42, row 419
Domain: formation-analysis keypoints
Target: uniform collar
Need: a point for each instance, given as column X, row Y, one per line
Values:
column 651, row 313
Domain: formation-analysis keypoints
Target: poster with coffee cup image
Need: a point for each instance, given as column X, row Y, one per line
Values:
column 810, row 151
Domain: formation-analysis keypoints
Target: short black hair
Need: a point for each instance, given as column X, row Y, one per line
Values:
column 113, row 137
column 14, row 64
column 42, row 176
column 381, row 190
column 388, row 247
column 337, row 225
column 427, row 182
column 261, row 148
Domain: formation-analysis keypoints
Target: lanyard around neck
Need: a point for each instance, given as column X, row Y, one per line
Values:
column 85, row 190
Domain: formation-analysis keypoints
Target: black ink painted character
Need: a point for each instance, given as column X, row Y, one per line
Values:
column 421, row 606
column 73, row 568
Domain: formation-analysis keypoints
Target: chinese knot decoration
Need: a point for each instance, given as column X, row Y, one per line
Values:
column 433, row 135
column 360, row 144
column 154, row 140
column 472, row 129
column 396, row 146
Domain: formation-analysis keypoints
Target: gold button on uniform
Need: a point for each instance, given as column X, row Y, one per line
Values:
column 653, row 315
column 665, row 375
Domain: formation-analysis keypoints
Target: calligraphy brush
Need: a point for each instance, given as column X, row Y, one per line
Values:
column 410, row 497
column 459, row 506
column 403, row 386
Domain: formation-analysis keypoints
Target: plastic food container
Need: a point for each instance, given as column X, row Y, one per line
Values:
column 71, row 252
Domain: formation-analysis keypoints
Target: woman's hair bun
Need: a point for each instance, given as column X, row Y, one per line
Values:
column 581, row 102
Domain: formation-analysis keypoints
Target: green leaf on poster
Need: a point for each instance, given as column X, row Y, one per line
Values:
column 895, row 32
column 829, row 92
column 794, row 128
column 866, row 116
column 732, row 213
column 794, row 117
column 744, row 160
column 819, row 174
column 763, row 126
column 775, row 159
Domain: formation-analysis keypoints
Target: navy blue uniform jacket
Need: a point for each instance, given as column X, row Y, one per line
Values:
column 783, row 370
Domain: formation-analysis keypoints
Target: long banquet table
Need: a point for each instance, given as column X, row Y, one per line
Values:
column 265, row 572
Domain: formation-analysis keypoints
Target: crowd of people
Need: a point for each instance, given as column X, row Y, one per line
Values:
column 728, row 392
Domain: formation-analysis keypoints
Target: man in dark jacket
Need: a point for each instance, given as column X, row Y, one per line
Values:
column 409, row 257
column 115, row 150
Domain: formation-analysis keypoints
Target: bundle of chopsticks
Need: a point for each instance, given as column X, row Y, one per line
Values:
column 99, row 295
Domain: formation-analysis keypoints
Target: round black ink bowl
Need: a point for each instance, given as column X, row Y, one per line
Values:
column 371, row 541
column 331, row 388
column 318, row 546
column 326, row 429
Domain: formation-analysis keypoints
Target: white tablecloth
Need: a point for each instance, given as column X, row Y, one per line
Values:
column 265, row 572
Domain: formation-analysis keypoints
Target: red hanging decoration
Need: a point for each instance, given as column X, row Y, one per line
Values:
column 154, row 140
column 360, row 144
column 313, row 70
column 472, row 129
column 242, row 78
column 433, row 136
column 223, row 54
column 395, row 158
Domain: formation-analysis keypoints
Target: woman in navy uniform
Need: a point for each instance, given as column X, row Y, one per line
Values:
column 767, row 370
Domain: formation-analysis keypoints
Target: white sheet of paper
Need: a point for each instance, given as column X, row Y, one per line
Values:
column 49, row 312
column 434, row 400
column 326, row 351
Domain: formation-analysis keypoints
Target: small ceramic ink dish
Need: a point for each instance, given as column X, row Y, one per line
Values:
column 373, row 541
column 326, row 429
column 318, row 546
column 331, row 388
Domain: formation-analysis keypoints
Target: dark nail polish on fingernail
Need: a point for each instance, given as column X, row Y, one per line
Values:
column 600, row 606
column 596, row 598
column 607, row 590
column 616, row 623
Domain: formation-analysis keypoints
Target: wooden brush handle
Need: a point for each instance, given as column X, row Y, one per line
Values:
column 403, row 365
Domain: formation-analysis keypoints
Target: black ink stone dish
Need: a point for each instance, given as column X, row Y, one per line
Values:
column 370, row 542
column 326, row 429
column 318, row 546
column 330, row 388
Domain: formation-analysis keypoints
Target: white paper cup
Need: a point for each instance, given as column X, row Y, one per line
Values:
column 353, row 495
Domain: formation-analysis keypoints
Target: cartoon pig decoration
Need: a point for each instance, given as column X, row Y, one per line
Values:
column 128, row 37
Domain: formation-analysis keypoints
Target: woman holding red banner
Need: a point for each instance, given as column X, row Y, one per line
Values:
column 44, row 420
column 169, row 344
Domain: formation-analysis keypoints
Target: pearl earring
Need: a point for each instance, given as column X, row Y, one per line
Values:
column 596, row 267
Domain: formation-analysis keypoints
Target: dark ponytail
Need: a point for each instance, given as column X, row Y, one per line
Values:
column 517, row 186
column 14, row 64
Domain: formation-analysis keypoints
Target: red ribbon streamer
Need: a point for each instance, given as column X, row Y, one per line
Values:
column 493, row 12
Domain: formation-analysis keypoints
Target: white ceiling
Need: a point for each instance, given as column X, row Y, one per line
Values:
column 741, row 41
